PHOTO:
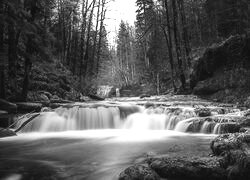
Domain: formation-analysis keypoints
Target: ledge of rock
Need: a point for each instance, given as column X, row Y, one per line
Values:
column 194, row 168
column 139, row 172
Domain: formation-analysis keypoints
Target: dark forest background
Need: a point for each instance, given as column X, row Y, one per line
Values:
column 61, row 47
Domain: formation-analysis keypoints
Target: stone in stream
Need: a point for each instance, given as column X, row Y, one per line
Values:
column 138, row 172
column 6, row 133
column 235, row 150
column 195, row 168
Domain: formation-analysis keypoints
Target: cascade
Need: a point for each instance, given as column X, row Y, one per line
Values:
column 125, row 116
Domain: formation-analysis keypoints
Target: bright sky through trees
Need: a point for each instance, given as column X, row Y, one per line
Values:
column 119, row 10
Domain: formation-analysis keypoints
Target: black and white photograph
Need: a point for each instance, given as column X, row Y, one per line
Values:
column 124, row 89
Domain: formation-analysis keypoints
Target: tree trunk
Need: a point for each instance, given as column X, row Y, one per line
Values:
column 27, row 70
column 82, row 43
column 185, row 31
column 103, row 14
column 86, row 55
column 168, row 38
column 13, row 37
column 2, row 56
column 94, row 64
column 177, row 46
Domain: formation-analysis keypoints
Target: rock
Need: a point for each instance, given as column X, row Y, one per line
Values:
column 48, row 94
column 55, row 105
column 7, row 106
column 245, row 130
column 38, row 96
column 203, row 112
column 245, row 123
column 247, row 102
column 6, row 133
column 227, row 142
column 95, row 97
column 55, row 97
column 236, row 157
column 194, row 168
column 138, row 172
column 144, row 96
column 46, row 109
column 62, row 101
column 28, row 107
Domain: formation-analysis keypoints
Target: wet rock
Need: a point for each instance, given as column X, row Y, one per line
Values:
column 95, row 97
column 227, row 142
column 194, row 168
column 144, row 96
column 245, row 130
column 6, row 133
column 245, row 123
column 203, row 112
column 235, row 151
column 7, row 106
column 46, row 109
column 29, row 107
column 138, row 172
column 247, row 102
column 38, row 96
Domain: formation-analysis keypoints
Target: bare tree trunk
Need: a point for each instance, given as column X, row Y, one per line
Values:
column 185, row 31
column 94, row 64
column 82, row 43
column 177, row 46
column 103, row 15
column 168, row 38
column 13, row 38
column 86, row 55
column 2, row 55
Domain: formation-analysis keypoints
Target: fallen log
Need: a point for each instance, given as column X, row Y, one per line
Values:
column 7, row 106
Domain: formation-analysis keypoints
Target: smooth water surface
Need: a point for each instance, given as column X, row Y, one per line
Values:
column 92, row 155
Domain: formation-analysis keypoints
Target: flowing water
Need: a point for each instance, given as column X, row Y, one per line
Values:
column 97, row 141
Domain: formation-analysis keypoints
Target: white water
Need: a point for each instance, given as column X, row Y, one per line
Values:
column 108, row 117
column 124, row 116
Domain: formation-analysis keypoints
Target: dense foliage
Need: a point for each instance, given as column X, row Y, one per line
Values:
column 157, row 51
column 57, row 33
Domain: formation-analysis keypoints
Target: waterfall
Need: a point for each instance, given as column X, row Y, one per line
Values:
column 127, row 116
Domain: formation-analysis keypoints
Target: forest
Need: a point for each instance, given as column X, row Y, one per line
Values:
column 165, row 97
column 62, row 46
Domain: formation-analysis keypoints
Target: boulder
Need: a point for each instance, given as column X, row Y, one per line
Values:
column 38, row 96
column 7, row 106
column 194, row 168
column 46, row 109
column 138, row 172
column 6, row 133
column 203, row 112
column 227, row 142
column 235, row 151
column 28, row 107
column 247, row 102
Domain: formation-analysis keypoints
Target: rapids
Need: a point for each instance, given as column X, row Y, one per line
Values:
column 96, row 141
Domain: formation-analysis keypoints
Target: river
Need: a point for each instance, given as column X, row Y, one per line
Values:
column 92, row 155
column 96, row 141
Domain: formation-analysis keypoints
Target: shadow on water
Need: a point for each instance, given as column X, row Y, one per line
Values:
column 93, row 155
